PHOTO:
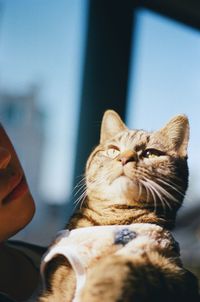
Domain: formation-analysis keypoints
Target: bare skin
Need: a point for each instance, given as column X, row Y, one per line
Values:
column 16, row 203
column 17, row 276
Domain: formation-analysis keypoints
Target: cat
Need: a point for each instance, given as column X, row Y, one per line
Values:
column 137, row 179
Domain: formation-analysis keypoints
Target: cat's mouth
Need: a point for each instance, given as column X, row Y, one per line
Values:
column 126, row 187
column 121, row 175
column 124, row 177
column 124, row 180
column 116, row 177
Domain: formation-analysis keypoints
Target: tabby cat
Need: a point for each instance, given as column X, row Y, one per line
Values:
column 135, row 180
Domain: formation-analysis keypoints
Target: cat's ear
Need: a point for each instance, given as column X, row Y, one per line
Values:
column 176, row 132
column 111, row 125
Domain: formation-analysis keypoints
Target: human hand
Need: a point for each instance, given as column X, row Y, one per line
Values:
column 16, row 203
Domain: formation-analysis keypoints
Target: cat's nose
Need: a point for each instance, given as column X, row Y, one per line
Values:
column 127, row 156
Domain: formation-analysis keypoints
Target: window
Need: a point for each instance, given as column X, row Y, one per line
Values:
column 165, row 81
column 41, row 56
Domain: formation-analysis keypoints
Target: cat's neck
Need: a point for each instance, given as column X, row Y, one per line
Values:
column 98, row 213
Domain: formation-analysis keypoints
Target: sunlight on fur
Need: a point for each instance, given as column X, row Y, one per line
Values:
column 135, row 182
column 135, row 167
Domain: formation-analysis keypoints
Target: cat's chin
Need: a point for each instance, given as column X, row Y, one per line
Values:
column 123, row 180
column 126, row 188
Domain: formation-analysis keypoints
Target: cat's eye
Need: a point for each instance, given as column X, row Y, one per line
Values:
column 151, row 153
column 112, row 152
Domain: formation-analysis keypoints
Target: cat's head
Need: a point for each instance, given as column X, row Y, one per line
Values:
column 136, row 168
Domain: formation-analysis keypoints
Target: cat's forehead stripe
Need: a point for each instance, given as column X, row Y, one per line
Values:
column 131, row 138
column 138, row 135
column 126, row 135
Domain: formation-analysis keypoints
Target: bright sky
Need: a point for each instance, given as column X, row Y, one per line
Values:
column 165, row 80
column 42, row 42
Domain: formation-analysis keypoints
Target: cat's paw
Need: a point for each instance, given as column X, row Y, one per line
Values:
column 105, row 280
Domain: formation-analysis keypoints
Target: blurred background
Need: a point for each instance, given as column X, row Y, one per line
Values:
column 64, row 62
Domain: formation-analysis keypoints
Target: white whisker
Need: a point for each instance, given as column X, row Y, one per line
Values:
column 167, row 203
column 79, row 199
column 80, row 189
column 148, row 191
column 83, row 199
column 164, row 192
column 171, row 186
column 153, row 194
column 158, row 191
column 101, row 180
column 80, row 183
column 140, row 191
